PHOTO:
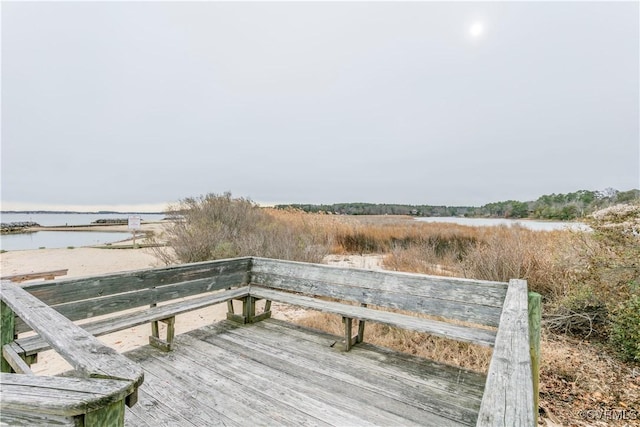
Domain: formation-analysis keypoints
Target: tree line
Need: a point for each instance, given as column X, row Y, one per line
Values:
column 549, row 206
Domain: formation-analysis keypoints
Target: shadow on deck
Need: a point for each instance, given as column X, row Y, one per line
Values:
column 276, row 373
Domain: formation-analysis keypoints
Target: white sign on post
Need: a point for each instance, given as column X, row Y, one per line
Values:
column 134, row 224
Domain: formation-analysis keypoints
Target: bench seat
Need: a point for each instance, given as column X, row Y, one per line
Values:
column 444, row 329
column 34, row 344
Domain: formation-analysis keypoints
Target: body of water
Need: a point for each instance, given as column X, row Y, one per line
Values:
column 59, row 239
column 493, row 222
column 48, row 219
column 64, row 239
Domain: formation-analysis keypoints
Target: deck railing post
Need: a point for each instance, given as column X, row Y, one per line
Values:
column 535, row 314
column 111, row 415
column 7, row 332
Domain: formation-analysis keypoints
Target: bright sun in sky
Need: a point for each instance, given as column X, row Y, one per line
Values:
column 476, row 30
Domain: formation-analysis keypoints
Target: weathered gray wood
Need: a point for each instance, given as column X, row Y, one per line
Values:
column 69, row 290
column 305, row 390
column 462, row 333
column 65, row 396
column 508, row 396
column 83, row 351
column 485, row 292
column 393, row 364
column 35, row 344
column 448, row 398
column 470, row 301
column 193, row 278
column 156, row 341
column 18, row 365
column 30, row 419
column 213, row 398
column 285, row 369
column 124, row 301
column 467, row 312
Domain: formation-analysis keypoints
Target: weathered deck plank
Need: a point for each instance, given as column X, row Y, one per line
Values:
column 399, row 365
column 401, row 397
column 216, row 390
column 448, row 379
column 269, row 374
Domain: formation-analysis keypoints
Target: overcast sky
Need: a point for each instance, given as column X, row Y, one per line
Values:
column 128, row 103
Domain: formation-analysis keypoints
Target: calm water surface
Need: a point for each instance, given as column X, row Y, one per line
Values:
column 494, row 222
column 63, row 239
column 71, row 219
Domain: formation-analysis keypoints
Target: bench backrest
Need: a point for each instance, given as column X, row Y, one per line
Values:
column 473, row 301
column 100, row 295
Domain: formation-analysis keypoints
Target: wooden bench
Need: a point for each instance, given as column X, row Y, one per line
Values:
column 473, row 302
column 511, row 394
column 112, row 294
column 493, row 314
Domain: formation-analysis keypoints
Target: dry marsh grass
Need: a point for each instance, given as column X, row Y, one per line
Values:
column 577, row 376
column 573, row 272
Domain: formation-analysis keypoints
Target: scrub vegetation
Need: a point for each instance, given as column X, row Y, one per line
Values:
column 589, row 281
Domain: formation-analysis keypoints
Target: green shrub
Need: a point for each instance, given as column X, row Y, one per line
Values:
column 625, row 329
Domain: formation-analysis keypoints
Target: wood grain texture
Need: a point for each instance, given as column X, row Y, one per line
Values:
column 35, row 344
column 274, row 373
column 443, row 329
column 466, row 300
column 83, row 351
column 58, row 395
column 68, row 290
column 508, row 397
column 18, row 365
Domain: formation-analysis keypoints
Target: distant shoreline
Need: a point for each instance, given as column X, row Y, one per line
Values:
column 81, row 212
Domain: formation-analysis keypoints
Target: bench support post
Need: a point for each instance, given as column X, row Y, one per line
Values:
column 7, row 333
column 111, row 415
column 360, row 336
column 248, row 311
column 16, row 359
column 349, row 340
column 155, row 339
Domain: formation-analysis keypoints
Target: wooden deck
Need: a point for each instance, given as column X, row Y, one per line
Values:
column 275, row 373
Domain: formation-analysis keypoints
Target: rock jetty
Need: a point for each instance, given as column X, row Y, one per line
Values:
column 111, row 221
column 17, row 227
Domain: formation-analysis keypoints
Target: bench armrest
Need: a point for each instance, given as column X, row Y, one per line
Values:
column 86, row 354
column 508, row 398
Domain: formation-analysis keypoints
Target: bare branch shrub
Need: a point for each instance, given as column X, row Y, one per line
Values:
column 220, row 226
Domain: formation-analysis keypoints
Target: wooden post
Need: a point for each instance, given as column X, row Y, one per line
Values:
column 535, row 315
column 7, row 333
column 111, row 415
column 347, row 333
column 360, row 337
